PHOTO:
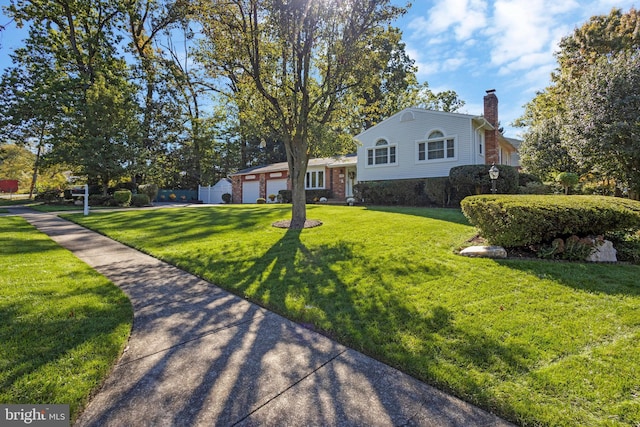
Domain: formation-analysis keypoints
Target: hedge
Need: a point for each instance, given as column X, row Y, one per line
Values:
column 523, row 220
column 471, row 180
column 405, row 192
column 123, row 197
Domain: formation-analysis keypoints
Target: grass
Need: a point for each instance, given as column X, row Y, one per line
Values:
column 537, row 342
column 62, row 325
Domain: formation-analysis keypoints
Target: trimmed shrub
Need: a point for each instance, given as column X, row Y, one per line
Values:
column 315, row 195
column 568, row 180
column 123, row 197
column 48, row 196
column 139, row 200
column 535, row 188
column 472, row 180
column 151, row 190
column 525, row 179
column 261, row 200
column 100, row 200
column 514, row 221
column 285, row 196
column 394, row 192
column 226, row 197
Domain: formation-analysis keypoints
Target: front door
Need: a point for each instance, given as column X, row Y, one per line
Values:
column 351, row 181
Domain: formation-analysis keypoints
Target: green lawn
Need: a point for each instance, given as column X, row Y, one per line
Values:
column 537, row 342
column 62, row 325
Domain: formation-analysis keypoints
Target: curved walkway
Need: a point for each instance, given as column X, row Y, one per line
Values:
column 199, row 355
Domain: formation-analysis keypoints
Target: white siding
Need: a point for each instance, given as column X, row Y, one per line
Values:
column 406, row 133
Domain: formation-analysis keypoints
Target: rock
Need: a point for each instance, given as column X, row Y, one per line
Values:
column 484, row 252
column 603, row 253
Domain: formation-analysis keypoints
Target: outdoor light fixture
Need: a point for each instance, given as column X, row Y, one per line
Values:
column 493, row 174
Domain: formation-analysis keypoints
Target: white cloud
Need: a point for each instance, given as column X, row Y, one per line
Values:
column 463, row 17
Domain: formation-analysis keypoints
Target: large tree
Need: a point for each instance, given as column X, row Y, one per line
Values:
column 602, row 131
column 556, row 137
column 301, row 56
column 81, row 37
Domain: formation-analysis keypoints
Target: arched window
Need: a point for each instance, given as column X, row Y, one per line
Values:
column 382, row 154
column 436, row 147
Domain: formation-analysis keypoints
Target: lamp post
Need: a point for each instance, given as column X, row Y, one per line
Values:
column 493, row 174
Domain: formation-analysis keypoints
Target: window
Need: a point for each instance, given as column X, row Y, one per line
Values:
column 382, row 154
column 315, row 179
column 436, row 147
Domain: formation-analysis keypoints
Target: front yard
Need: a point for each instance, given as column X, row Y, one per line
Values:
column 537, row 342
column 62, row 325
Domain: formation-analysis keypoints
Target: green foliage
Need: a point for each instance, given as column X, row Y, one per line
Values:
column 474, row 179
column 122, row 197
column 568, row 180
column 151, row 190
column 525, row 178
column 139, row 200
column 405, row 192
column 514, row 221
column 261, row 200
column 49, row 196
column 285, row 196
column 226, row 197
column 573, row 249
column 627, row 244
column 100, row 200
column 315, row 195
column 586, row 121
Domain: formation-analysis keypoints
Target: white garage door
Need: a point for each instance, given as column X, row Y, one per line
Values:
column 275, row 185
column 250, row 191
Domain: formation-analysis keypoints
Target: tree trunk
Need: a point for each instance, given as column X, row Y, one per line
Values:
column 298, row 159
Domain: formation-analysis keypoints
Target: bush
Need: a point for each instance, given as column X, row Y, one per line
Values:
column 100, row 200
column 151, row 190
column 285, row 196
column 139, row 200
column 525, row 179
column 48, row 196
column 535, row 188
column 472, row 180
column 514, row 221
column 405, row 192
column 627, row 244
column 226, row 197
column 261, row 200
column 122, row 197
column 568, row 180
column 315, row 195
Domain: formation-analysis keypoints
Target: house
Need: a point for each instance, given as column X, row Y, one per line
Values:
column 337, row 174
column 414, row 143
column 418, row 143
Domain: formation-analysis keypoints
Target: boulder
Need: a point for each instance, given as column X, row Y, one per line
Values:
column 603, row 253
column 484, row 252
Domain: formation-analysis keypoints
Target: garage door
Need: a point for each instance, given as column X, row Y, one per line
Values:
column 250, row 191
column 275, row 185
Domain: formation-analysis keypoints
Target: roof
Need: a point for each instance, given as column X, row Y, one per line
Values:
column 329, row 162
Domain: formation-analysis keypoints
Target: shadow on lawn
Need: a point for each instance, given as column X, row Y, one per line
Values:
column 443, row 214
column 612, row 279
column 377, row 319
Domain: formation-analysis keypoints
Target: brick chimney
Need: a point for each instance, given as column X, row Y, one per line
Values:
column 491, row 136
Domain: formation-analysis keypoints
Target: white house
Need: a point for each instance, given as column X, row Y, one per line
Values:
column 418, row 143
column 414, row 143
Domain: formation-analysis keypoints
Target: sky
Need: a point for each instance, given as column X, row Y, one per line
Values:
column 470, row 46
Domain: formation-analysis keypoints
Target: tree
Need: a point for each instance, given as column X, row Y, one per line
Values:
column 567, row 180
column 301, row 56
column 602, row 131
column 80, row 38
column 557, row 137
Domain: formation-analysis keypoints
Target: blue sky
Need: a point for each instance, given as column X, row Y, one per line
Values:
column 472, row 45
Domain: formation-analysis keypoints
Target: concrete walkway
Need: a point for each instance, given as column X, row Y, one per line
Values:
column 200, row 356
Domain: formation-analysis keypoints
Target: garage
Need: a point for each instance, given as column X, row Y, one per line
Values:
column 250, row 191
column 275, row 185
